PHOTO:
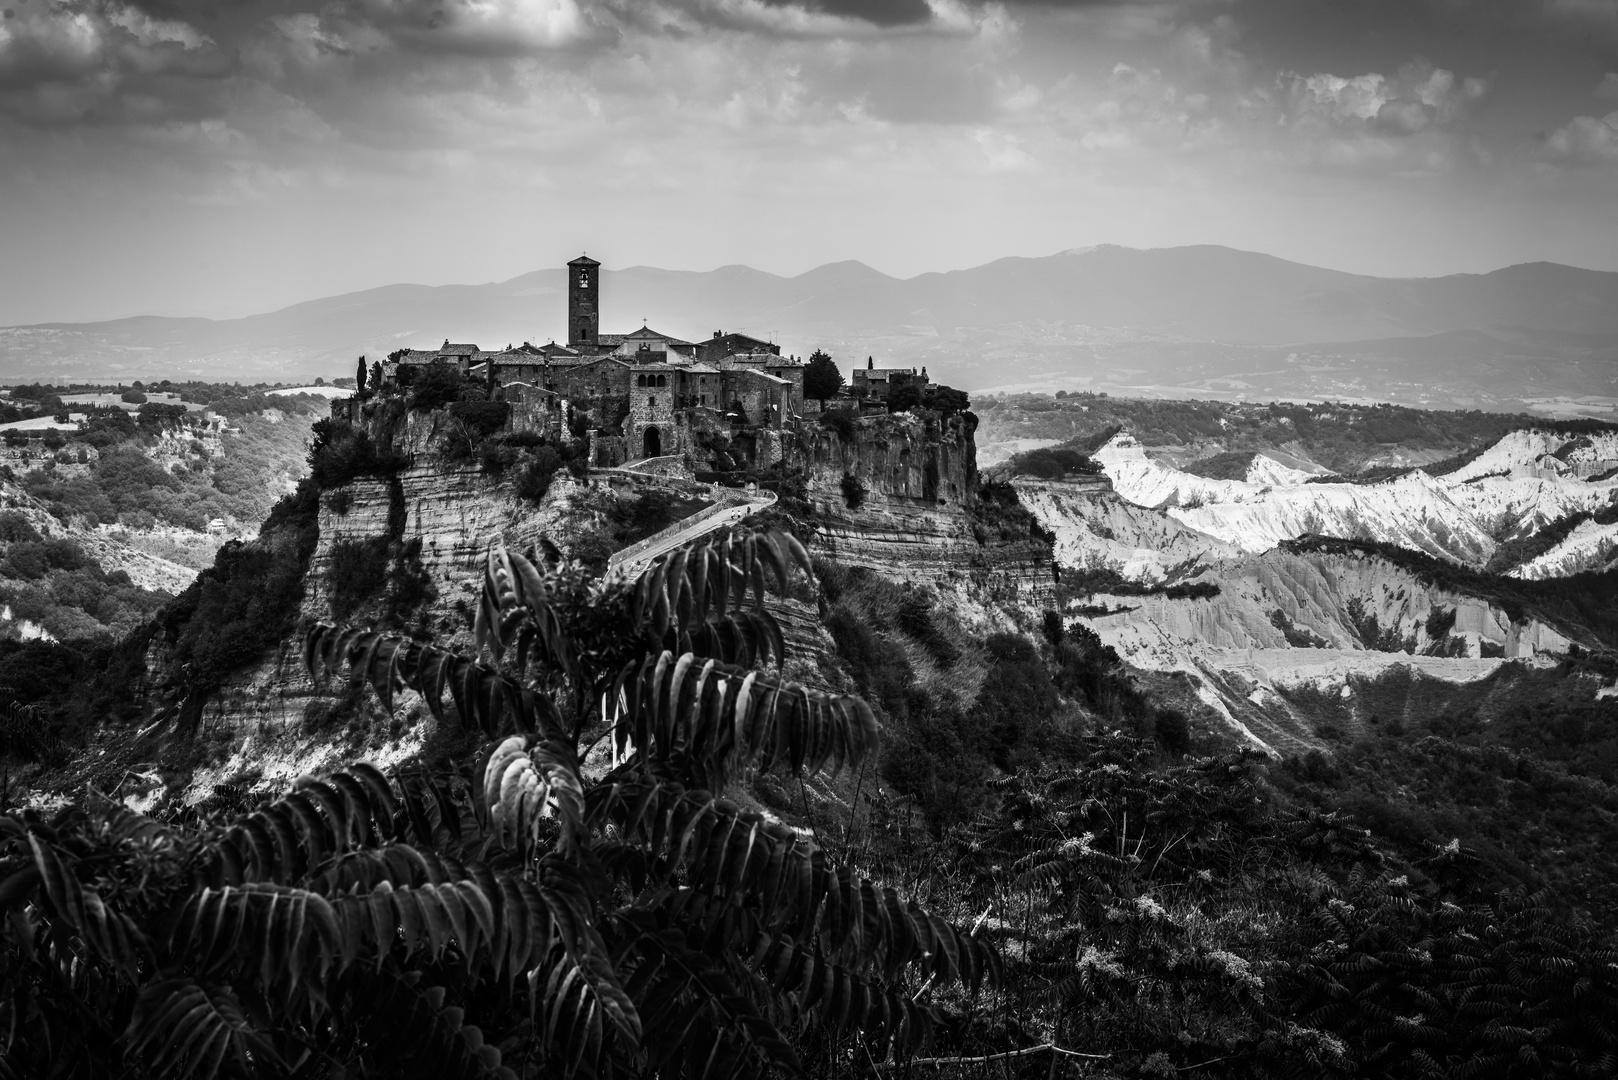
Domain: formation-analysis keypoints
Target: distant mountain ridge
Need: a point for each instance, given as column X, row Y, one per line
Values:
column 1202, row 319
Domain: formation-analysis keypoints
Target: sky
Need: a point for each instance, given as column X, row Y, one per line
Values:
column 218, row 158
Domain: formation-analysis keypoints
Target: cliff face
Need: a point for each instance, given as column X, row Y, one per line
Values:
column 269, row 721
column 900, row 496
column 1097, row 530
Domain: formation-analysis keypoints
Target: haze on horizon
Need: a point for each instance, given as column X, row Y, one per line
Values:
column 182, row 157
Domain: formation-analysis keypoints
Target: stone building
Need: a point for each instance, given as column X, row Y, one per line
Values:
column 876, row 383
column 642, row 394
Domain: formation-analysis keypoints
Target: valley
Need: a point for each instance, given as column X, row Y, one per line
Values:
column 1280, row 631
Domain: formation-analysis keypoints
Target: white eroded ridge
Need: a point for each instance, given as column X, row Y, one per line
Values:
column 1522, row 482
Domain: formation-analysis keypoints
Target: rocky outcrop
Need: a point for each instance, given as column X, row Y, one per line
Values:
column 1094, row 529
column 1517, row 485
column 1591, row 546
column 900, row 495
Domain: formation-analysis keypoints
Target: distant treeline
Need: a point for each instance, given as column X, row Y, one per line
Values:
column 1343, row 438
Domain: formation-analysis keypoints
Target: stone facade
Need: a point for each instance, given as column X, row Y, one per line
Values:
column 641, row 394
column 876, row 383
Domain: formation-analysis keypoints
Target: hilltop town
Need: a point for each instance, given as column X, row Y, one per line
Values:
column 644, row 398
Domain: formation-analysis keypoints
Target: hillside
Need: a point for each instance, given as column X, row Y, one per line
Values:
column 1166, row 322
column 112, row 511
column 1104, row 734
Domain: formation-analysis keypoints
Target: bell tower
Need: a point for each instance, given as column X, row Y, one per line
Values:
column 583, row 304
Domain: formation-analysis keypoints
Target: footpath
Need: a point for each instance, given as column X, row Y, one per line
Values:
column 736, row 506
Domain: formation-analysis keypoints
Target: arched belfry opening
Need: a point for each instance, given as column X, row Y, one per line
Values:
column 652, row 442
column 583, row 305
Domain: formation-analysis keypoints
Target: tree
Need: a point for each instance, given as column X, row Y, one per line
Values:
column 359, row 377
column 133, row 397
column 945, row 400
column 514, row 914
column 821, row 377
column 904, row 397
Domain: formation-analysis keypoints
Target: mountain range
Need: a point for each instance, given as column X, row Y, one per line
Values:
column 1199, row 321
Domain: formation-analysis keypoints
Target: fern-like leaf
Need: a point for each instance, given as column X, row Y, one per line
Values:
column 484, row 698
column 715, row 718
column 183, row 1030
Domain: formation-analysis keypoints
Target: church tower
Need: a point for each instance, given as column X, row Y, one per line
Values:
column 583, row 307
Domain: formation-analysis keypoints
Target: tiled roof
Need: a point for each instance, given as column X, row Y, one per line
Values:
column 646, row 333
column 458, row 350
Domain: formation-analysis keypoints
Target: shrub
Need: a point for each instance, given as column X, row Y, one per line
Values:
column 854, row 492
column 1440, row 621
column 904, row 397
column 633, row 520
column 1053, row 463
column 1017, row 694
column 14, row 528
column 27, row 561
column 840, row 422
column 341, row 453
column 481, row 418
column 945, row 400
column 435, row 386
column 358, row 571
column 534, row 478
column 1173, row 730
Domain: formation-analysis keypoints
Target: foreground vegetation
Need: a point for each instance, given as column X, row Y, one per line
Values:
column 1101, row 886
column 510, row 913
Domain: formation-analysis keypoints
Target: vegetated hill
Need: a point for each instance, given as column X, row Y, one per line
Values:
column 1330, row 437
column 108, row 516
column 1032, row 785
column 1194, row 317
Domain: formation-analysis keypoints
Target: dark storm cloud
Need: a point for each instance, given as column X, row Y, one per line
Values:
column 876, row 12
column 65, row 62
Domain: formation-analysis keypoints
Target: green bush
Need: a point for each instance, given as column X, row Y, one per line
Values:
column 534, row 477
column 247, row 602
column 341, row 453
column 1053, row 463
column 946, row 401
column 358, row 571
column 14, row 527
column 434, row 386
column 1017, row 695
column 854, row 491
column 481, row 418
column 904, row 397
column 842, row 422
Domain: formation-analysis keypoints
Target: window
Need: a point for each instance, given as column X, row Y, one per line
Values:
column 651, row 401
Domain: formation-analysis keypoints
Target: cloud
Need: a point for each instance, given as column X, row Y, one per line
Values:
column 1607, row 88
column 1585, row 140
column 1419, row 98
column 876, row 12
